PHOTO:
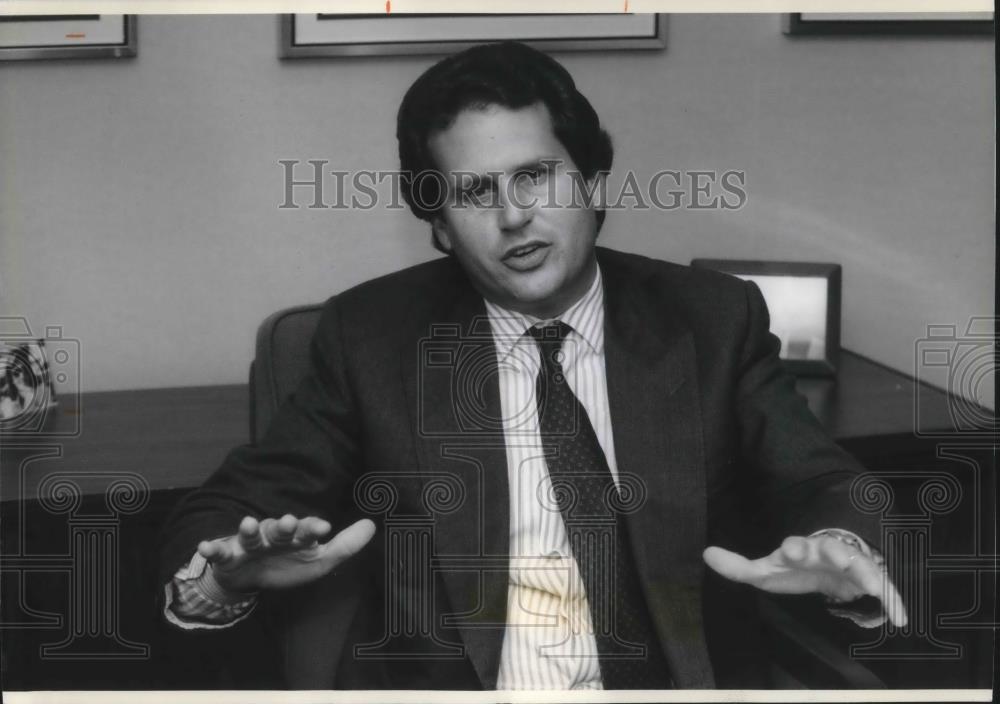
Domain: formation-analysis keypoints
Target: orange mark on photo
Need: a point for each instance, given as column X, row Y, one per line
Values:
column 388, row 6
column 626, row 6
column 76, row 35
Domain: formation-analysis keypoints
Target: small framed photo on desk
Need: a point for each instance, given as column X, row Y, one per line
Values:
column 803, row 299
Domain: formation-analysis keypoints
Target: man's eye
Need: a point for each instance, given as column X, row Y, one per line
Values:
column 478, row 195
column 531, row 176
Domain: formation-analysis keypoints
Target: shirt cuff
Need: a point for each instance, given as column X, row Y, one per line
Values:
column 195, row 600
column 215, row 592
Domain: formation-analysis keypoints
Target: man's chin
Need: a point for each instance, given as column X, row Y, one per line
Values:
column 541, row 304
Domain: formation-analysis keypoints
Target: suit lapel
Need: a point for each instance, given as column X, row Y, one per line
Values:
column 654, row 406
column 453, row 394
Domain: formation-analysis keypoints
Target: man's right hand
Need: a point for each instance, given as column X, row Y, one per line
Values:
column 280, row 553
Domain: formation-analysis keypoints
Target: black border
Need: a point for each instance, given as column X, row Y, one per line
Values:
column 793, row 24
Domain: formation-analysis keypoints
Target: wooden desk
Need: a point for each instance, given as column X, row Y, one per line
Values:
column 868, row 399
column 174, row 438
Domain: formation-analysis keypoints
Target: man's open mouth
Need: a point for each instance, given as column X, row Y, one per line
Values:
column 526, row 257
column 523, row 250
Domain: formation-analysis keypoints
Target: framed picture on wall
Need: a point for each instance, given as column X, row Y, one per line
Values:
column 29, row 37
column 314, row 35
column 913, row 23
column 803, row 299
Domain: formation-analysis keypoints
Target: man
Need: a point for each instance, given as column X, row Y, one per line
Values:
column 643, row 396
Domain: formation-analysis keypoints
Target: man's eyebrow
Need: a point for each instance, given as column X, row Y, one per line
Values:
column 545, row 162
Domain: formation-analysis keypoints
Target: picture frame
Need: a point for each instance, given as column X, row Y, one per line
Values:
column 803, row 299
column 333, row 35
column 33, row 37
column 887, row 23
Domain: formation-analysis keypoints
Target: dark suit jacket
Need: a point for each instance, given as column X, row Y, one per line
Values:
column 701, row 410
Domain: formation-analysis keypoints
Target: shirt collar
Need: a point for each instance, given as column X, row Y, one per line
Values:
column 586, row 317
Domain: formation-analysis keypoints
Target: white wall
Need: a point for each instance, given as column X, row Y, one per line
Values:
column 138, row 201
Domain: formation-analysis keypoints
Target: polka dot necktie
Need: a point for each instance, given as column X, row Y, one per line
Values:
column 590, row 504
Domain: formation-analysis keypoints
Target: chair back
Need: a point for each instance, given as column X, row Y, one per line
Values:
column 281, row 362
column 307, row 620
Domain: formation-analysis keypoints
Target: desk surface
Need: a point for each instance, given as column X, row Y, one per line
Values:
column 174, row 438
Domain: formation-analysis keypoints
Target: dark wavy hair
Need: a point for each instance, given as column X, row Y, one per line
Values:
column 507, row 74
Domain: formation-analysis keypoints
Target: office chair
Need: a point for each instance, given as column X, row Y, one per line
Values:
column 297, row 620
column 801, row 654
column 281, row 361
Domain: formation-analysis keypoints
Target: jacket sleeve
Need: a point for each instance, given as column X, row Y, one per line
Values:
column 305, row 463
column 802, row 478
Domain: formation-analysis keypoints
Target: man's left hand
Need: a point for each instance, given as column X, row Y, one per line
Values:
column 818, row 563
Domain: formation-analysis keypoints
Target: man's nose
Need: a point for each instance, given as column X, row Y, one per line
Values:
column 516, row 207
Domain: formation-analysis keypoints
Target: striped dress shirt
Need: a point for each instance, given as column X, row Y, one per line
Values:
column 549, row 641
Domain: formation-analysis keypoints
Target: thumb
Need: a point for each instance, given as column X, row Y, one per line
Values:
column 348, row 542
column 732, row 565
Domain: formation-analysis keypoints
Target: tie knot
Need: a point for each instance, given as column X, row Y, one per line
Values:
column 553, row 332
column 549, row 338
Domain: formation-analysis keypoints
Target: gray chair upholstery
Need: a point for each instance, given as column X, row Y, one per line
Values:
column 282, row 360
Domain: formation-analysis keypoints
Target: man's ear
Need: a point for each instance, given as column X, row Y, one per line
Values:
column 439, row 230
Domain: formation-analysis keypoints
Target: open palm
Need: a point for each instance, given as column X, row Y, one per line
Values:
column 820, row 564
column 281, row 553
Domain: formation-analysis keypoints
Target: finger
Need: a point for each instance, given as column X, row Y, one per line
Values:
column 310, row 529
column 893, row 604
column 216, row 551
column 249, row 535
column 279, row 533
column 734, row 566
column 873, row 581
column 348, row 542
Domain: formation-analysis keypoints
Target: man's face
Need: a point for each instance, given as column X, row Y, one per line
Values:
column 520, row 250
